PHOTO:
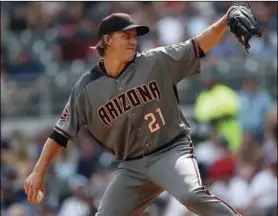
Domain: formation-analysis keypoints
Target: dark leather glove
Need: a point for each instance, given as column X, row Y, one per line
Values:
column 243, row 24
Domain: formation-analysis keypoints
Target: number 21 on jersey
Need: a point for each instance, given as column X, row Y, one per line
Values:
column 154, row 122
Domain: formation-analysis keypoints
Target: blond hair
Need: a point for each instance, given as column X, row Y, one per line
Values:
column 100, row 47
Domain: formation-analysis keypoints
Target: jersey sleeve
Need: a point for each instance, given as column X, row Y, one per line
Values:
column 73, row 116
column 181, row 60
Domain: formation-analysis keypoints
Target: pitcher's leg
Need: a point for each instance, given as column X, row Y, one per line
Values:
column 180, row 177
column 127, row 195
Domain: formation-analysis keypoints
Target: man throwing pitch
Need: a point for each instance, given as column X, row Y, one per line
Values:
column 128, row 103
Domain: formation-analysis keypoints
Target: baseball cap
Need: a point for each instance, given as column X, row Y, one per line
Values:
column 118, row 22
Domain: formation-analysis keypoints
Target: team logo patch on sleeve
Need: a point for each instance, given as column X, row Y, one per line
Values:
column 65, row 115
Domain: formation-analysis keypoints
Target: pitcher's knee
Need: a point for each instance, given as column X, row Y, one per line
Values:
column 200, row 200
column 190, row 197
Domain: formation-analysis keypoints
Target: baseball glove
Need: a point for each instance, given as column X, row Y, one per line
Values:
column 243, row 24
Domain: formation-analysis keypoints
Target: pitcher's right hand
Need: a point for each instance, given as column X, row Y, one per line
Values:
column 33, row 184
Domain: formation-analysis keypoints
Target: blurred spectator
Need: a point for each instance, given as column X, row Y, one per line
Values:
column 254, row 105
column 251, row 150
column 271, row 133
column 228, row 47
column 7, row 194
column 75, row 33
column 17, row 210
column 8, row 89
column 223, row 168
column 237, row 192
column 48, row 211
column 166, row 26
column 23, row 78
column 17, row 155
column 196, row 25
column 37, row 141
column 218, row 105
column 77, row 204
column 87, row 163
column 25, row 69
column 66, row 164
column 211, row 147
column 264, row 48
column 262, row 189
column 17, row 15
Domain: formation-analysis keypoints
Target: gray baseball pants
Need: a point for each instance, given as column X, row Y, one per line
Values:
column 174, row 169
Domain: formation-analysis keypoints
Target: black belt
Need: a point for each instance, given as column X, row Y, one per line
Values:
column 157, row 149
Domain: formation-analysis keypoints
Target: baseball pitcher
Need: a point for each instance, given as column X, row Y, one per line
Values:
column 128, row 103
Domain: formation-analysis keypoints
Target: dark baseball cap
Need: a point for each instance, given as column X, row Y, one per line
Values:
column 118, row 22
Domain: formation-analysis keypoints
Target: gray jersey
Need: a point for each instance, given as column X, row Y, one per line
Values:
column 136, row 112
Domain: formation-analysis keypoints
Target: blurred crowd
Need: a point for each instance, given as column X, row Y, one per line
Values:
column 44, row 45
column 49, row 41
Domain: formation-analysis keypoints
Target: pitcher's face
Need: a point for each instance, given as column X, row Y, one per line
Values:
column 123, row 44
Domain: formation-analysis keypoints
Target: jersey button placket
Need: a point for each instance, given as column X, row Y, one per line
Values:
column 118, row 83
